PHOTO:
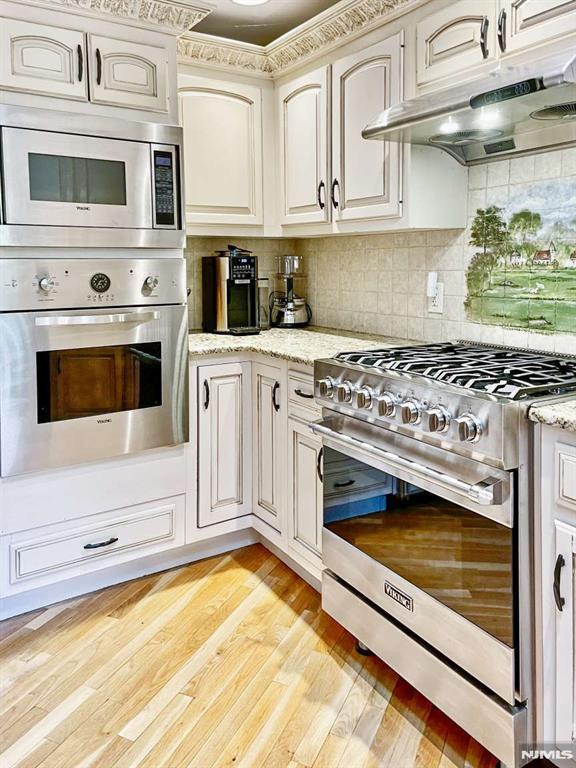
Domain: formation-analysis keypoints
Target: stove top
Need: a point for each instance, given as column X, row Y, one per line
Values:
column 512, row 374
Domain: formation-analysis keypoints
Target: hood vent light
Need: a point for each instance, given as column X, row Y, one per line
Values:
column 464, row 138
column 556, row 112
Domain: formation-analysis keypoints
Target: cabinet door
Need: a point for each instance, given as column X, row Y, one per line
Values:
column 366, row 181
column 37, row 58
column 303, row 119
column 563, row 580
column 449, row 42
column 304, row 492
column 127, row 74
column 532, row 22
column 222, row 124
column 269, row 444
column 223, row 442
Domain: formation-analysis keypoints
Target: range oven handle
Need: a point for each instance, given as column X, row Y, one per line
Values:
column 123, row 317
column 486, row 492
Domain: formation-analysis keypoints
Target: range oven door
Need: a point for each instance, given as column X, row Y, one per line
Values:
column 428, row 537
column 86, row 385
column 69, row 180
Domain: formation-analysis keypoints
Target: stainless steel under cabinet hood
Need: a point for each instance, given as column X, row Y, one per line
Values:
column 513, row 110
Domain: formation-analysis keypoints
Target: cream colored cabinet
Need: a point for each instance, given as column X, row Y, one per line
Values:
column 128, row 74
column 269, row 431
column 36, row 58
column 304, row 492
column 222, row 124
column 456, row 42
column 528, row 23
column 302, row 108
column 563, row 580
column 365, row 174
column 224, row 442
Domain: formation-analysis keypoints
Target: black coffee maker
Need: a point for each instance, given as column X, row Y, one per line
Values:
column 230, row 292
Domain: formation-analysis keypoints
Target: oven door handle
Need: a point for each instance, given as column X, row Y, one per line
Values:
column 486, row 492
column 123, row 317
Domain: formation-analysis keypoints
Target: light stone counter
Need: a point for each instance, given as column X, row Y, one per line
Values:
column 561, row 415
column 298, row 345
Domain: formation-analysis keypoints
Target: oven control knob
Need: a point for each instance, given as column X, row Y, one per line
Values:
column 151, row 282
column 364, row 398
column 344, row 392
column 326, row 387
column 469, row 428
column 386, row 404
column 46, row 284
column 438, row 419
column 410, row 412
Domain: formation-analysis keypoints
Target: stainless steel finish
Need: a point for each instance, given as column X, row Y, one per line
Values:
column 344, row 392
column 386, row 404
column 469, row 428
column 498, row 727
column 46, row 284
column 119, row 318
column 457, row 480
column 411, row 412
column 438, row 419
column 449, row 112
column 326, row 387
column 489, row 660
column 364, row 398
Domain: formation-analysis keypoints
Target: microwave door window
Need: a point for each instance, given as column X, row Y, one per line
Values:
column 80, row 180
column 94, row 381
column 462, row 559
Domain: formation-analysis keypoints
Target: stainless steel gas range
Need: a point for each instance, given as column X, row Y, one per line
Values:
column 428, row 521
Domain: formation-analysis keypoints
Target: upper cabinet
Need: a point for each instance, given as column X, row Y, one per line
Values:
column 127, row 74
column 526, row 23
column 223, row 170
column 365, row 174
column 459, row 37
column 304, row 171
column 39, row 59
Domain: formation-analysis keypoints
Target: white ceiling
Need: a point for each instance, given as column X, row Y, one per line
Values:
column 259, row 24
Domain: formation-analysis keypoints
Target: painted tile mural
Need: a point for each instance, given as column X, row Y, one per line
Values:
column 522, row 271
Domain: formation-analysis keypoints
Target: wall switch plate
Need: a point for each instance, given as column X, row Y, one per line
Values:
column 436, row 303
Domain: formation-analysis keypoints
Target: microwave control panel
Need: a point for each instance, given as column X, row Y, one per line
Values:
column 164, row 182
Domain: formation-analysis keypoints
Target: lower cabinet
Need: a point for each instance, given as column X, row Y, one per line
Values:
column 563, row 589
column 304, row 492
column 224, row 441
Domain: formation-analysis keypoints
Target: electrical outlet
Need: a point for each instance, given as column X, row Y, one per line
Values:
column 436, row 303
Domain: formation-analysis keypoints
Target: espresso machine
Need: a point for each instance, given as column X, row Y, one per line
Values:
column 287, row 310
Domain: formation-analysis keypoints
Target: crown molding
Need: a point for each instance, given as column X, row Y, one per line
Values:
column 344, row 21
column 174, row 16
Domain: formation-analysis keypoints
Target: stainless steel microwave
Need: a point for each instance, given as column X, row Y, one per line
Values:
column 72, row 180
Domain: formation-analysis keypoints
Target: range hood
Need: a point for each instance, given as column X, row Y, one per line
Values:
column 513, row 110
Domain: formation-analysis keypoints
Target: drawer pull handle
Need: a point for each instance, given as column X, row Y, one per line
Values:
column 206, row 394
column 319, row 465
column 335, row 186
column 98, row 66
column 321, row 203
column 560, row 563
column 307, row 395
column 344, row 484
column 98, row 544
column 275, row 402
column 484, row 37
column 80, row 63
column 502, row 30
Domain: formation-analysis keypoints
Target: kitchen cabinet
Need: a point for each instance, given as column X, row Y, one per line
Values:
column 224, row 442
column 455, row 42
column 302, row 106
column 269, row 430
column 529, row 23
column 365, row 174
column 564, row 582
column 223, row 167
column 127, row 74
column 41, row 59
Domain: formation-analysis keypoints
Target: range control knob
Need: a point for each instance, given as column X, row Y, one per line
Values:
column 438, row 419
column 46, row 284
column 151, row 282
column 410, row 412
column 326, row 387
column 344, row 392
column 386, row 404
column 469, row 428
column 364, row 398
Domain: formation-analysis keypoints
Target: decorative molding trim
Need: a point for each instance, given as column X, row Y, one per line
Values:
column 346, row 20
column 173, row 15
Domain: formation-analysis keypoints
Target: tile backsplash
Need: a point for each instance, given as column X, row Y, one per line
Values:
column 509, row 277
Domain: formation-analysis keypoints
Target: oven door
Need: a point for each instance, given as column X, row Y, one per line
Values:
column 79, row 386
column 67, row 180
column 428, row 537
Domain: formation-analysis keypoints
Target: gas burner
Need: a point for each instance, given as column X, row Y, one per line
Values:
column 511, row 374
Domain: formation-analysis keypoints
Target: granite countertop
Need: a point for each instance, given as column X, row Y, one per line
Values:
column 298, row 345
column 561, row 415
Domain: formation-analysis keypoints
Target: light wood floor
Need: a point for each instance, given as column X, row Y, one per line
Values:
column 226, row 662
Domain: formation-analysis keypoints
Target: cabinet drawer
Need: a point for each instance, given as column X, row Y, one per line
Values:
column 83, row 546
column 566, row 475
column 301, row 391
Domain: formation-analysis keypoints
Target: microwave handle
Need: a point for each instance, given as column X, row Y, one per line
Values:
column 124, row 317
column 486, row 492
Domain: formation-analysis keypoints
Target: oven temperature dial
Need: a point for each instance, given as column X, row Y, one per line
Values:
column 151, row 282
column 410, row 412
column 46, row 284
column 326, row 387
column 344, row 392
column 100, row 282
column 364, row 398
column 386, row 404
column 469, row 428
column 438, row 419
